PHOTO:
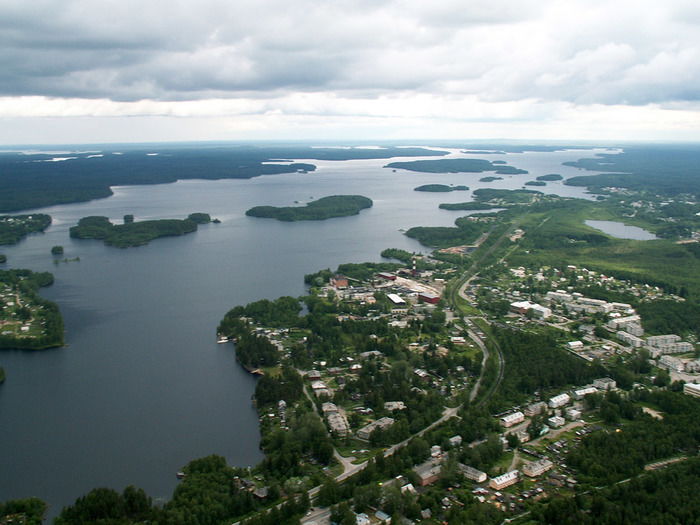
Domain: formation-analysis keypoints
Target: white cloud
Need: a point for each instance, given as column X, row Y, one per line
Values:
column 495, row 61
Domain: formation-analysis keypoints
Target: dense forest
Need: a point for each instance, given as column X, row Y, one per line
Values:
column 550, row 177
column 132, row 233
column 33, row 182
column 608, row 457
column 321, row 209
column 464, row 232
column 664, row 496
column 455, row 166
column 14, row 227
column 535, row 362
column 662, row 170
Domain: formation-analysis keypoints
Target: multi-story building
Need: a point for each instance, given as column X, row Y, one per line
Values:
column 604, row 383
column 559, row 401
column 630, row 339
column 535, row 408
column 504, row 480
column 472, row 473
column 383, row 423
column 692, row 389
column 537, row 468
column 512, row 419
column 671, row 363
column 583, row 392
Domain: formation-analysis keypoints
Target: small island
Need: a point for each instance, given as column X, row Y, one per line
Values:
column 15, row 227
column 456, row 166
column 440, row 188
column 489, row 179
column 57, row 250
column 3, row 258
column 321, row 209
column 134, row 233
column 550, row 177
column 535, row 183
column 2, row 375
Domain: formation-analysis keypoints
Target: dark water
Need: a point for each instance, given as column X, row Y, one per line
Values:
column 142, row 387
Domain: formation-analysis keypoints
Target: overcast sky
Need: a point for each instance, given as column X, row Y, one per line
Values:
column 103, row 70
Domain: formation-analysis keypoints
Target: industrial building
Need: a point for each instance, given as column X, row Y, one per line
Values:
column 428, row 298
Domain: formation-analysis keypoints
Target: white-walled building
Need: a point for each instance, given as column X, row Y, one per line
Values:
column 559, row 401
column 504, row 480
column 512, row 419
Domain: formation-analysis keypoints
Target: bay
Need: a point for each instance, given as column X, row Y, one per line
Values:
column 142, row 387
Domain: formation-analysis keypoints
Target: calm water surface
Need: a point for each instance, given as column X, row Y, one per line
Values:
column 622, row 231
column 142, row 387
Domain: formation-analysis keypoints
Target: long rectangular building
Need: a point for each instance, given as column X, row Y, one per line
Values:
column 504, row 480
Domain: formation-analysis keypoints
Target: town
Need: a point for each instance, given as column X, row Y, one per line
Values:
column 398, row 351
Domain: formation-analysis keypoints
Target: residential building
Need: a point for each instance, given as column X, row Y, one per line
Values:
column 661, row 340
column 338, row 424
column 559, row 401
column 383, row 423
column 692, row 389
column 504, row 480
column 630, row 339
column 556, row 421
column 512, row 419
column 671, row 363
column 605, row 383
column 559, row 296
column 572, row 414
column 428, row 472
column 472, row 473
column 394, row 405
column 455, row 441
column 535, row 408
column 537, row 468
column 583, row 392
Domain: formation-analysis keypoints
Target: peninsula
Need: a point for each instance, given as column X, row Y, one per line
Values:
column 455, row 166
column 15, row 227
column 134, row 233
column 27, row 320
column 321, row 209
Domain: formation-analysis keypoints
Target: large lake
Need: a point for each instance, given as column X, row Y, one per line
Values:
column 142, row 387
